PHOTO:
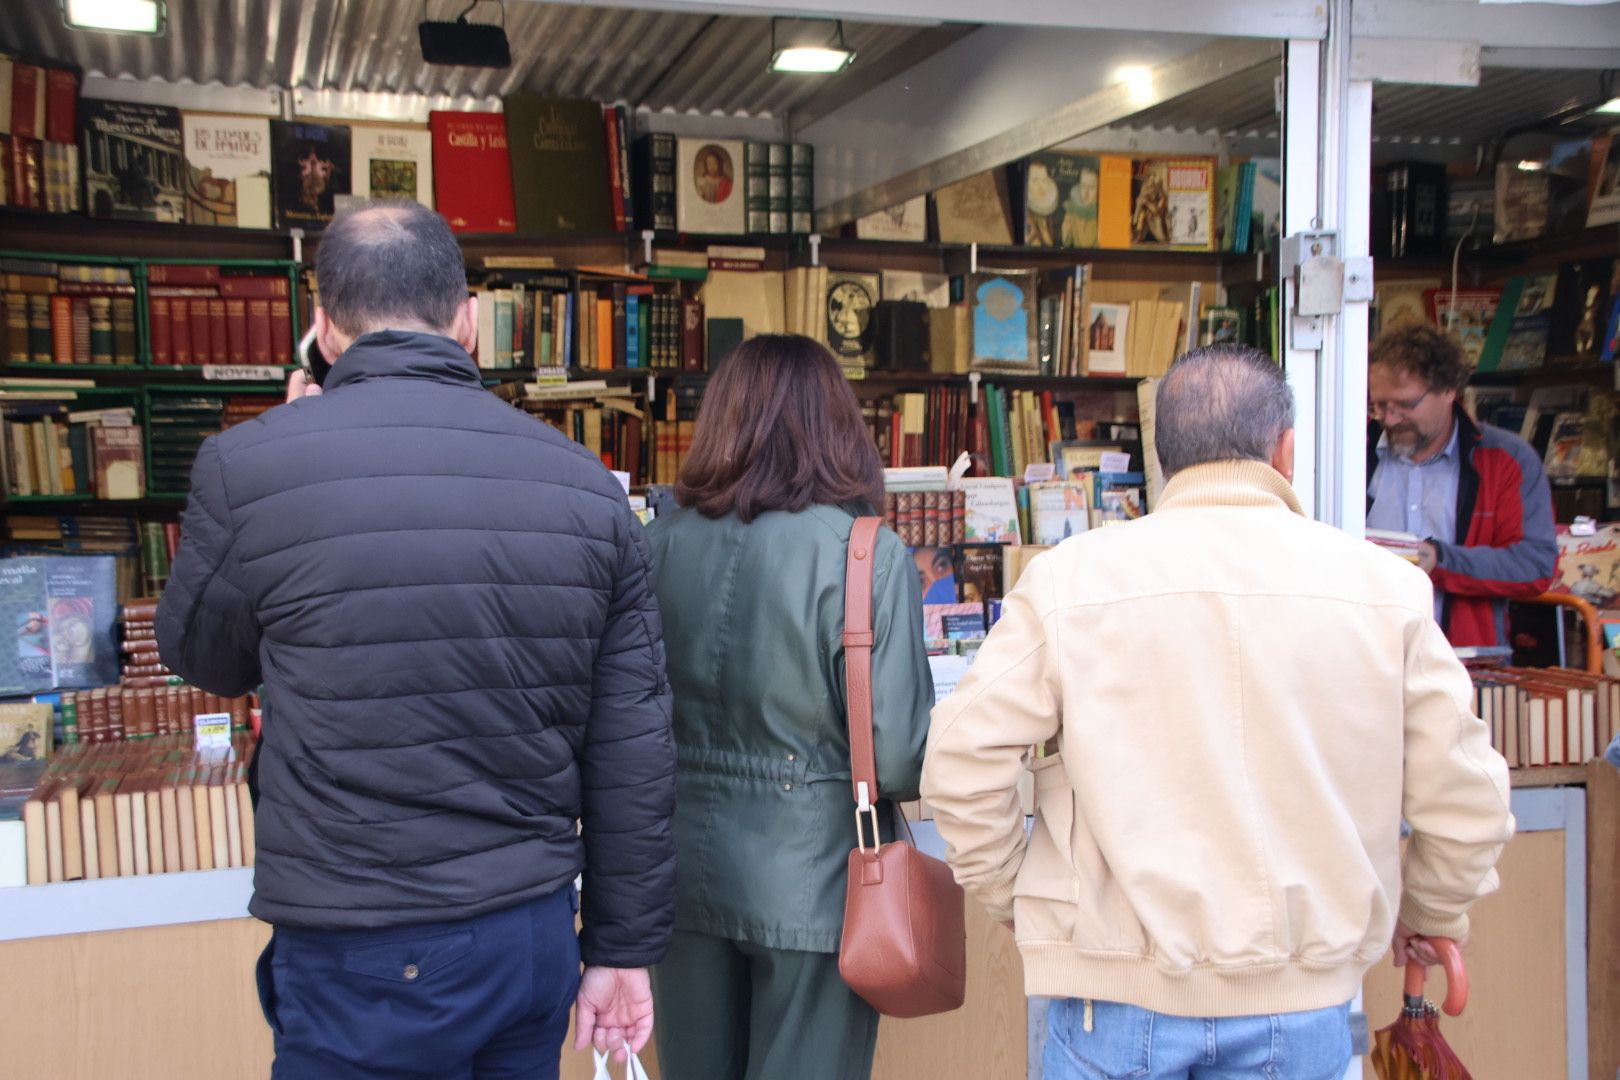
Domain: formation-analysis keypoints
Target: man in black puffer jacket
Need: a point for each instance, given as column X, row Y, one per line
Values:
column 448, row 606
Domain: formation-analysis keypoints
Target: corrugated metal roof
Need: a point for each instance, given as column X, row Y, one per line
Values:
column 661, row 60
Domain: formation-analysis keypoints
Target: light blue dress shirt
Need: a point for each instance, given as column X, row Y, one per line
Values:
column 1417, row 498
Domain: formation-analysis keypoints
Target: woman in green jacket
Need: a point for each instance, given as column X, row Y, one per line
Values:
column 750, row 581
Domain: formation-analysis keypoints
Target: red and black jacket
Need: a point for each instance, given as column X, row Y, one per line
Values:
column 1505, row 547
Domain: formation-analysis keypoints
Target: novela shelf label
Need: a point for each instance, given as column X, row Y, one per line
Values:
column 241, row 373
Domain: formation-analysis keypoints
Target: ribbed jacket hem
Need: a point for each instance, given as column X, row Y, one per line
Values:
column 1065, row 972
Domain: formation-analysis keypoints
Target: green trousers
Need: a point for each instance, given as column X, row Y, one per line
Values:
column 728, row 1010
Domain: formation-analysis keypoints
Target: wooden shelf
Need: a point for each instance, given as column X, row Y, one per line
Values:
column 1547, row 776
column 149, row 501
column 1546, row 375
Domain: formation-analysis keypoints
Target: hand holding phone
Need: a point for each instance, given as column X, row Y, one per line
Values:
column 313, row 368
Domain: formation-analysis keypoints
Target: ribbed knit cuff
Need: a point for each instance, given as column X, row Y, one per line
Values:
column 1421, row 920
column 997, row 900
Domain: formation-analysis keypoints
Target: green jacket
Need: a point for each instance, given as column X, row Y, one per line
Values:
column 753, row 632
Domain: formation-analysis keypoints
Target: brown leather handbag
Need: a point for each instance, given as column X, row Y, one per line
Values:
column 904, row 948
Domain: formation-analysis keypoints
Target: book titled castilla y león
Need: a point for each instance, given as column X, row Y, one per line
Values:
column 559, row 164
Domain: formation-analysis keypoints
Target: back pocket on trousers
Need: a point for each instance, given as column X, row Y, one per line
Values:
column 408, row 961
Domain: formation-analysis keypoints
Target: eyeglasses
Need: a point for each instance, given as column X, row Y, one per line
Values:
column 1380, row 409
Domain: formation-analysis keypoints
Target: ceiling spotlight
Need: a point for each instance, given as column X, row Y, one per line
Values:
column 816, row 57
column 1138, row 82
column 116, row 16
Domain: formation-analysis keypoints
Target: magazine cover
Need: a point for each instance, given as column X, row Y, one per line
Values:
column 134, row 167
column 1060, row 200
column 312, row 168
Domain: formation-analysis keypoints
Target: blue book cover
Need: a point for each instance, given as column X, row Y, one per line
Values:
column 1004, row 318
column 632, row 332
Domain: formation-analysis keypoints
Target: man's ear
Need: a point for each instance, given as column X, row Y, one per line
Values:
column 333, row 342
column 1282, row 458
column 465, row 325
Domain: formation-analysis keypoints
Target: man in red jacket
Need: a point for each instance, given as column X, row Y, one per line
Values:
column 1476, row 494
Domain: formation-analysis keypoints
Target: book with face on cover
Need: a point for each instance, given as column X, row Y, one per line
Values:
column 709, row 186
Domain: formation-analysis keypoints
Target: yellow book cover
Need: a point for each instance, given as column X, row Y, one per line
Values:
column 1114, row 202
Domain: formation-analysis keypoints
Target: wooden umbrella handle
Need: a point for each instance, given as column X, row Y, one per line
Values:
column 1456, row 976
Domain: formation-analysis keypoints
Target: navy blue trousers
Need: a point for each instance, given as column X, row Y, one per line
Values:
column 481, row 998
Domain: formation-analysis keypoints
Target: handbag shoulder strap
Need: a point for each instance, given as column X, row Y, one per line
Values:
column 858, row 575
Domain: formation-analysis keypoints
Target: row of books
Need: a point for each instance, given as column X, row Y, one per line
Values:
column 1547, row 716
column 541, row 165
column 610, row 422
column 49, row 450
column 39, row 157
column 1084, row 200
column 198, row 315
column 1569, row 316
column 67, row 314
column 114, row 536
column 927, row 518
column 179, row 423
column 126, row 809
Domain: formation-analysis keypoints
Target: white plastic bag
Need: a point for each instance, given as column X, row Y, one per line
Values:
column 633, row 1069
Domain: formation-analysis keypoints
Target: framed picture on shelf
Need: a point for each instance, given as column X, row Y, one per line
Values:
column 1004, row 324
column 851, row 300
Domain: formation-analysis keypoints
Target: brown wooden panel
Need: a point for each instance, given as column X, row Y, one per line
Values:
column 1603, row 918
column 1513, row 1028
column 986, row 1038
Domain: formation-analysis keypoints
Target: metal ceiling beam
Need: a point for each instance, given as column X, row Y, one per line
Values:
column 1274, row 19
column 1543, row 26
column 1101, row 109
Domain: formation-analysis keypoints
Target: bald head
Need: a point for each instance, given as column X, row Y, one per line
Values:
column 390, row 266
column 1221, row 403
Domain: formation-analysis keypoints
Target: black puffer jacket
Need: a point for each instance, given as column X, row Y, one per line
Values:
column 448, row 605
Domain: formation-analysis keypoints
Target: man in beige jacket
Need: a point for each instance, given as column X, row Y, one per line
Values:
column 1246, row 704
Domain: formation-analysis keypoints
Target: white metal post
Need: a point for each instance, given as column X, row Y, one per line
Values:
column 1356, row 233
column 1302, row 171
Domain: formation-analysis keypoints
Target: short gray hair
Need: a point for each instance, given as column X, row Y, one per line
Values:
column 390, row 265
column 1221, row 403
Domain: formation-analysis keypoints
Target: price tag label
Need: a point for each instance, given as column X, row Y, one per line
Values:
column 241, row 373
column 213, row 730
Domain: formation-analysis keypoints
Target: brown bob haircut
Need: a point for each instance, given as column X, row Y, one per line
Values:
column 780, row 429
column 1425, row 352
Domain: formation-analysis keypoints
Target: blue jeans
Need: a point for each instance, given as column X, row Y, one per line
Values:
column 1128, row 1043
column 480, row 998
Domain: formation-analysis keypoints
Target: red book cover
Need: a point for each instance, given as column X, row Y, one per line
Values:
column 157, row 315
column 610, row 124
column 236, row 329
column 219, row 332
column 62, row 329
column 159, row 274
column 281, row 345
column 180, row 330
column 197, row 308
column 253, row 288
column 61, row 106
column 27, row 177
column 258, row 332
column 691, row 335
column 27, row 92
column 472, row 172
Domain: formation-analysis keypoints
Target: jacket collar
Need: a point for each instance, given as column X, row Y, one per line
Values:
column 1229, row 483
column 404, row 354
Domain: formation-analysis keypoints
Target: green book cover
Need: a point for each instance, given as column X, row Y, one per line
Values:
column 1490, row 354
column 502, row 352
column 559, row 164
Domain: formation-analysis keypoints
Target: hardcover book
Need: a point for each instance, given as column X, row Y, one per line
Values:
column 907, row 221
column 709, row 189
column 472, row 177
column 1468, row 318
column 975, row 210
column 312, row 167
column 25, row 733
column 1060, row 200
column 63, row 611
column 132, row 161
column 392, row 163
column 559, row 163
column 227, row 170
column 1173, row 203
column 992, row 510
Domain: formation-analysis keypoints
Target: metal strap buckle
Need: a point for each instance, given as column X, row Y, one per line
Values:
column 860, row 831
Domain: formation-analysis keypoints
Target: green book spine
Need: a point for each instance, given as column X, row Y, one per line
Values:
column 40, row 346
column 101, row 330
column 503, row 330
column 70, row 720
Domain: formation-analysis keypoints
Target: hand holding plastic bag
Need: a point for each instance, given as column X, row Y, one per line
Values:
column 633, row 1069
